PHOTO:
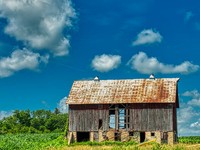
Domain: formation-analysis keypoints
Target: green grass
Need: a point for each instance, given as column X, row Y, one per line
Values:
column 55, row 141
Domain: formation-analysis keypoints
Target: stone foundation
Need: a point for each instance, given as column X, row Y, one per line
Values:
column 171, row 138
column 124, row 135
column 111, row 135
column 158, row 137
column 74, row 136
column 148, row 136
column 135, row 136
column 92, row 136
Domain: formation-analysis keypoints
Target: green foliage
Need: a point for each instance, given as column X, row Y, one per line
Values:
column 39, row 121
column 189, row 139
column 31, row 141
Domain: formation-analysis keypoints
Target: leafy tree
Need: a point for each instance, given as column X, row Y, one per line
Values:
column 56, row 111
column 38, row 121
column 23, row 117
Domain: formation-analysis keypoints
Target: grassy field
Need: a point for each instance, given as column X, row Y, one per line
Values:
column 54, row 141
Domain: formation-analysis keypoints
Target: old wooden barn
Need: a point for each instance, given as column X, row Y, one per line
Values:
column 138, row 109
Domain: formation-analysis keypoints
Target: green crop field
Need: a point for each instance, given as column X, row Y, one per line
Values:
column 54, row 141
column 31, row 141
column 189, row 140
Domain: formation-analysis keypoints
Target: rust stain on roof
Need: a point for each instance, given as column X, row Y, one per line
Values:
column 124, row 91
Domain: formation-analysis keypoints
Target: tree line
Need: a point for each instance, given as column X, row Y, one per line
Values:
column 39, row 121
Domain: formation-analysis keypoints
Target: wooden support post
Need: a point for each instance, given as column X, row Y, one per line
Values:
column 70, row 136
column 127, row 117
column 91, row 136
column 116, row 117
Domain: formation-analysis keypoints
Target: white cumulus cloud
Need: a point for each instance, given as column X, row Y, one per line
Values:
column 39, row 23
column 105, row 63
column 62, row 106
column 147, row 65
column 19, row 60
column 147, row 36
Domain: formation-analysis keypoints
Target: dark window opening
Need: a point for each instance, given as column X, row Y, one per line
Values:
column 152, row 134
column 112, row 106
column 142, row 137
column 131, row 133
column 111, row 112
column 83, row 136
column 117, row 136
column 100, row 124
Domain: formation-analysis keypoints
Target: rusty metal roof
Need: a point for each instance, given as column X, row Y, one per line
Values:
column 162, row 90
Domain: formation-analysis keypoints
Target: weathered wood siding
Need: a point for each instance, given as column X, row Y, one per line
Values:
column 151, row 117
column 142, row 117
column 86, row 117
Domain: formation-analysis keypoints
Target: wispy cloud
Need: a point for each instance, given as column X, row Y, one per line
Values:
column 195, row 95
column 105, row 63
column 189, row 115
column 62, row 106
column 39, row 23
column 148, row 36
column 19, row 60
column 46, row 105
column 147, row 65
column 197, row 26
column 195, row 125
column 195, row 102
column 185, row 114
column 188, row 16
column 4, row 114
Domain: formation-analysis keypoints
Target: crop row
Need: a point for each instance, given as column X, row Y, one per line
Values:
column 31, row 141
column 189, row 139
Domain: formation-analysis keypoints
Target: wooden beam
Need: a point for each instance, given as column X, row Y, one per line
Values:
column 116, row 117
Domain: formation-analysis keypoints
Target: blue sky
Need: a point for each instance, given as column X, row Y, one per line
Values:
column 47, row 44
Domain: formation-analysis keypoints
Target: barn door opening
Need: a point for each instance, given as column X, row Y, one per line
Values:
column 142, row 137
column 83, row 136
column 164, row 137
